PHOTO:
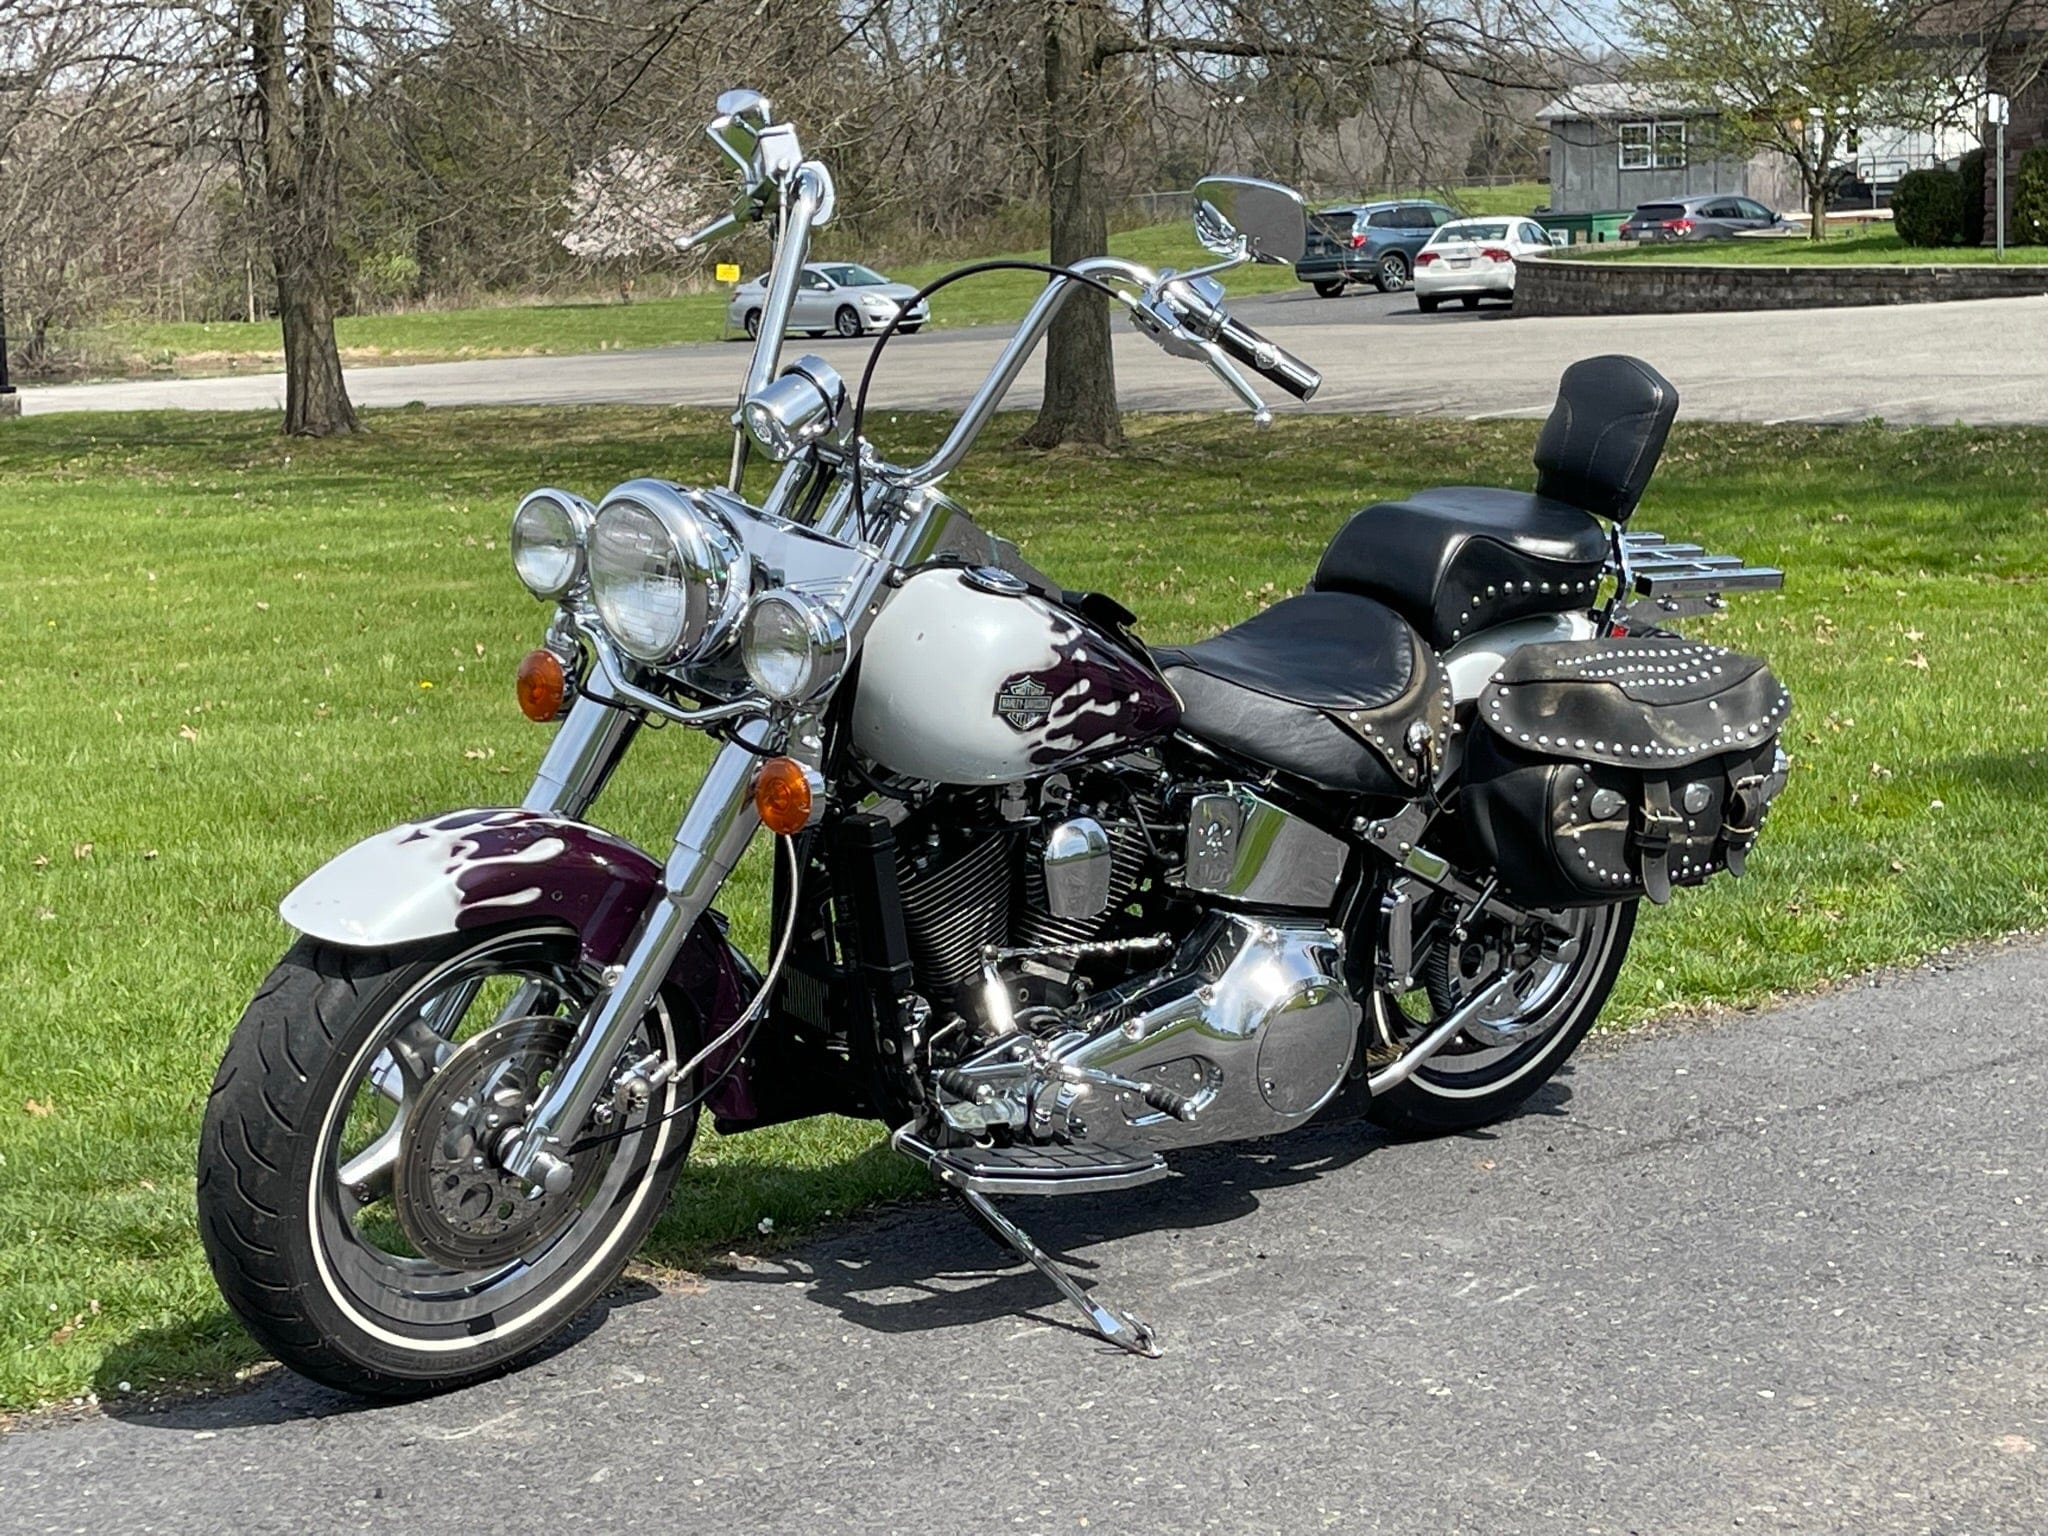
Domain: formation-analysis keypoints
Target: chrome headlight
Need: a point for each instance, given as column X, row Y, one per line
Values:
column 797, row 409
column 549, row 533
column 669, row 577
column 794, row 646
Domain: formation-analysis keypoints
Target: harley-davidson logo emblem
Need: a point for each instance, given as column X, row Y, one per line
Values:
column 1024, row 702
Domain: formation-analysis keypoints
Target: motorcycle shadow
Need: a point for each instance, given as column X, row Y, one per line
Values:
column 926, row 1269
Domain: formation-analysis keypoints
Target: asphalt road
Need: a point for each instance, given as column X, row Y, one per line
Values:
column 1780, row 1273
column 1983, row 362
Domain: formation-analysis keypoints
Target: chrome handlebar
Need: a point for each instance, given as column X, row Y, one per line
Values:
column 1182, row 313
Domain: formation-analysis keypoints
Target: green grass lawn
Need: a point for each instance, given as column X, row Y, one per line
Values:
column 556, row 329
column 1850, row 248
column 235, row 655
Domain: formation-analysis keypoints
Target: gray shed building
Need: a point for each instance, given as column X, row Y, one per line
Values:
column 1614, row 146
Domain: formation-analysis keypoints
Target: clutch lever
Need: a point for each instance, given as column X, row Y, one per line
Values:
column 1226, row 370
column 1156, row 318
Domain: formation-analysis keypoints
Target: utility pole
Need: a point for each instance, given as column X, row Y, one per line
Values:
column 1999, row 109
column 10, row 398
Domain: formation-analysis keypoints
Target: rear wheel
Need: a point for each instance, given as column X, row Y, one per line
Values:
column 1514, row 1047
column 349, row 1205
column 1329, row 289
column 1427, row 306
column 752, row 324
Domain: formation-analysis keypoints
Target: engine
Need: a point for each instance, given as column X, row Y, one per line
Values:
column 1046, row 878
column 1163, row 950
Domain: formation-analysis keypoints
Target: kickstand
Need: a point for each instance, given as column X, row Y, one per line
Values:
column 1120, row 1328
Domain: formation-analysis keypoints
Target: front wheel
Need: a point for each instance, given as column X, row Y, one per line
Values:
column 1514, row 1047
column 847, row 322
column 348, row 1202
column 1391, row 275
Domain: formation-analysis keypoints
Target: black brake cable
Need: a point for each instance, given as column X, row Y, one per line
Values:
column 751, row 1019
column 888, row 332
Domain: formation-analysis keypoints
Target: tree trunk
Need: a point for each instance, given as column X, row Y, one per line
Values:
column 1080, row 369
column 301, row 188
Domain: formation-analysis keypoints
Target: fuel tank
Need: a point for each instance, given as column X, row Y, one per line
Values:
column 968, row 677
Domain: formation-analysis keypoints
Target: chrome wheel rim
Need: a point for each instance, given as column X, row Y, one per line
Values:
column 1515, row 1033
column 374, row 1152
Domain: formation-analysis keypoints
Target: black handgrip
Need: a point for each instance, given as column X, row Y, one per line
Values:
column 1268, row 361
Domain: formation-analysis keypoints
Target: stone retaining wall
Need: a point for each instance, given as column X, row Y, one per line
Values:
column 1569, row 286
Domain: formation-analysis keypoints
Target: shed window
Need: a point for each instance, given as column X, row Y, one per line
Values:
column 1647, row 145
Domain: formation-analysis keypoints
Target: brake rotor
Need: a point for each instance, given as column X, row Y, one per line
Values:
column 453, row 1201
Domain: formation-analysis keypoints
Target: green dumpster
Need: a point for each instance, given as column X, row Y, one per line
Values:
column 1585, row 228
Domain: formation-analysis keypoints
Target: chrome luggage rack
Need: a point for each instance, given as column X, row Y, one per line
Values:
column 1661, row 579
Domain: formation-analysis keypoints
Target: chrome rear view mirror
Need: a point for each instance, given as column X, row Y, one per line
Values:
column 742, row 117
column 1239, row 216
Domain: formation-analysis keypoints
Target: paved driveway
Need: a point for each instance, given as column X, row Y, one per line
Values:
column 1984, row 362
column 1783, row 1273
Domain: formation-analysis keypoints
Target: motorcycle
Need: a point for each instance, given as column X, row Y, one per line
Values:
column 1049, row 903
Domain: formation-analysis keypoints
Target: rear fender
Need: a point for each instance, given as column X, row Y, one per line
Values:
column 478, row 869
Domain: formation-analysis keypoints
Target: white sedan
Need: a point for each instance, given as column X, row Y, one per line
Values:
column 1474, row 259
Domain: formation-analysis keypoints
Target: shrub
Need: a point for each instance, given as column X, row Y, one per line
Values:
column 2030, row 199
column 1927, row 208
column 1971, row 170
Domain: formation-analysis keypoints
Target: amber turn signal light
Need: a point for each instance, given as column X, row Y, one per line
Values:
column 782, row 794
column 541, row 685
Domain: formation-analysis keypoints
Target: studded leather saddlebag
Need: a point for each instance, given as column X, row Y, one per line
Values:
column 1600, row 770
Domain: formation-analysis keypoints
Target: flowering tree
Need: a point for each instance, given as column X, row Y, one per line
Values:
column 626, row 207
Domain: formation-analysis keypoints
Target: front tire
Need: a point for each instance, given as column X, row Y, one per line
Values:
column 347, row 1222
column 1391, row 275
column 1475, row 1081
column 847, row 322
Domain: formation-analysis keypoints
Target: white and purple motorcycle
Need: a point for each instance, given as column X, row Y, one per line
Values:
column 1049, row 904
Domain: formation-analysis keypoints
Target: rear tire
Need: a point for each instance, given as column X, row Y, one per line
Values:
column 329, row 1272
column 1329, row 290
column 752, row 324
column 1427, row 306
column 1450, row 1094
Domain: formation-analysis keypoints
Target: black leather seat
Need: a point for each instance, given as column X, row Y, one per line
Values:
column 1327, row 687
column 1458, row 559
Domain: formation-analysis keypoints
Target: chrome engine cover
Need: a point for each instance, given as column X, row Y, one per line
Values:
column 1253, row 1026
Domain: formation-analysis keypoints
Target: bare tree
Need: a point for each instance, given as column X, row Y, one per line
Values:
column 296, row 160
column 1343, row 46
column 1798, row 80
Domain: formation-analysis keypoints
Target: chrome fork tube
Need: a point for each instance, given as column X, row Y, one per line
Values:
column 720, row 823
column 591, row 738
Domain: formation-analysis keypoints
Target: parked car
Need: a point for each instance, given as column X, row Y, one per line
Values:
column 1367, row 243
column 1719, row 217
column 1474, row 259
column 843, row 297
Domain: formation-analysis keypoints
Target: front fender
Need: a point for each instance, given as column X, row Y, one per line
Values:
column 475, row 869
